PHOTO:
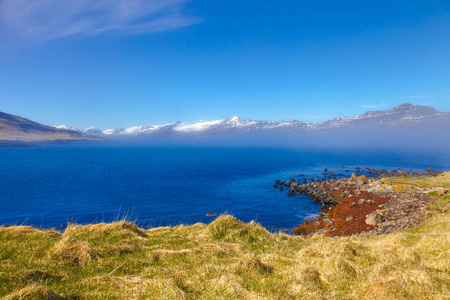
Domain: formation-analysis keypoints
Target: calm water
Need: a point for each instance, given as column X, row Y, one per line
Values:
column 154, row 186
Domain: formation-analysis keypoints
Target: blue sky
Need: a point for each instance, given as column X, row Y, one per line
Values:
column 120, row 63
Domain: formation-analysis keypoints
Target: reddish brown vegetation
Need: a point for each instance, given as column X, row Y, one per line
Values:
column 334, row 221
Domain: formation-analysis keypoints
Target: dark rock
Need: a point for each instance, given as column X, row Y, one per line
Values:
column 400, row 173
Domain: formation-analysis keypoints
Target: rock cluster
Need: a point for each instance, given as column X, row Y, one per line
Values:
column 352, row 206
column 316, row 191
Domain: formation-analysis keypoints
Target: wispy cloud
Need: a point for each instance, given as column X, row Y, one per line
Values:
column 373, row 105
column 41, row 20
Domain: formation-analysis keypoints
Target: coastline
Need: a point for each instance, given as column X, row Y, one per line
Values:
column 368, row 206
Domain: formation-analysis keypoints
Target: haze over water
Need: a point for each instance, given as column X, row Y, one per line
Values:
column 50, row 186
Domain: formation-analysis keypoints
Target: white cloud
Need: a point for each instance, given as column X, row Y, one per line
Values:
column 51, row 19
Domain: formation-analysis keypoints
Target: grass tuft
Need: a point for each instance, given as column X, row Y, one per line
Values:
column 222, row 225
column 37, row 276
column 251, row 263
column 118, row 228
column 126, row 247
column 34, row 292
column 311, row 274
column 73, row 250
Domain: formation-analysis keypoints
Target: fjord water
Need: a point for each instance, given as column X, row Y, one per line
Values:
column 49, row 186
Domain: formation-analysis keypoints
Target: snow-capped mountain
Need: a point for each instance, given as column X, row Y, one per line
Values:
column 90, row 130
column 412, row 118
column 65, row 127
column 398, row 117
column 230, row 125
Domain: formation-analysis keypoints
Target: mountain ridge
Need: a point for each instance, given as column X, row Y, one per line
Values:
column 404, row 116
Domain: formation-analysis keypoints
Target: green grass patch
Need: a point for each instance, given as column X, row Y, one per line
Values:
column 442, row 180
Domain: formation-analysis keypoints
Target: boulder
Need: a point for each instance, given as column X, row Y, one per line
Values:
column 349, row 218
column 374, row 218
column 294, row 186
column 401, row 173
column 360, row 180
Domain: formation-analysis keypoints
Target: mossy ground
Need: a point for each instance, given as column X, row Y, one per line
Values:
column 226, row 259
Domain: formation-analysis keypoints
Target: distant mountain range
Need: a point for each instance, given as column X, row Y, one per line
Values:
column 405, row 116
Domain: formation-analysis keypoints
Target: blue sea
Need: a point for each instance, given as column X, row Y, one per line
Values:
column 52, row 186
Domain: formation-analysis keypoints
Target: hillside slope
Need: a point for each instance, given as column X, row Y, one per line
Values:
column 226, row 259
column 14, row 128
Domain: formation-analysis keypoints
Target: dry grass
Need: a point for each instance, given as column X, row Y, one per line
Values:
column 74, row 251
column 34, row 292
column 226, row 259
column 442, row 180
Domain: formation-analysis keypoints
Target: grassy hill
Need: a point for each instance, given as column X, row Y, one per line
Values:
column 226, row 259
column 442, row 180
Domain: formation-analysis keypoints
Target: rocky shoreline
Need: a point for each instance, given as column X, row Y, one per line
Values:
column 363, row 204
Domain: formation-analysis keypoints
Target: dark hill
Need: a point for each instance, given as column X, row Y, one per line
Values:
column 15, row 128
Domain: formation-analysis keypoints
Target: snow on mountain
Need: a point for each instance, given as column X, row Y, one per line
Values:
column 65, row 127
column 93, row 131
column 234, row 122
column 402, row 115
column 199, row 126
column 90, row 130
column 109, row 131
